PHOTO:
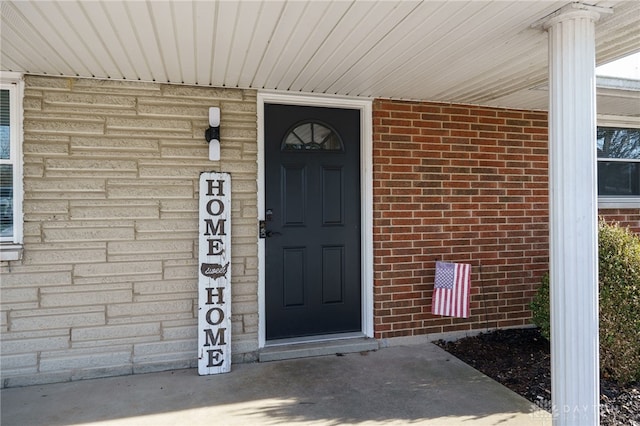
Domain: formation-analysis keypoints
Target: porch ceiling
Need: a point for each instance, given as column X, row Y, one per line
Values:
column 480, row 52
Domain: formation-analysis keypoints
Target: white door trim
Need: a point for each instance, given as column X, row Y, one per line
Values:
column 366, row 192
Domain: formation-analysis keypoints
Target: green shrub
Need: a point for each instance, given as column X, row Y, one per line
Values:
column 540, row 308
column 619, row 284
column 619, row 303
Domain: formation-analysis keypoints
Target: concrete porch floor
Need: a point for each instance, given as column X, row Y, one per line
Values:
column 414, row 384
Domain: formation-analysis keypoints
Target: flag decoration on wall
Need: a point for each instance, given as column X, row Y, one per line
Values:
column 451, row 290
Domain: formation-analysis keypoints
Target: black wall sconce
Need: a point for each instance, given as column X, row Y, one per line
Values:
column 212, row 134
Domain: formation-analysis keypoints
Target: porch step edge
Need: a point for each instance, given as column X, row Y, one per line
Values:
column 305, row 350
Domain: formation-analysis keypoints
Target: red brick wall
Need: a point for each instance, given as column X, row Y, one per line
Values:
column 457, row 183
column 629, row 218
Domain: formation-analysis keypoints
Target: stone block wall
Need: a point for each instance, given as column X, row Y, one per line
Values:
column 107, row 283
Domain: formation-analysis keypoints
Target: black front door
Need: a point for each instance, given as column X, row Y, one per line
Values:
column 312, row 202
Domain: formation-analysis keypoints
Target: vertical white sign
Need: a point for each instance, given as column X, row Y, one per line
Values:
column 214, row 278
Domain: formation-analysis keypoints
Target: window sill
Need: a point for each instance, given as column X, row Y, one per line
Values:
column 10, row 252
column 618, row 203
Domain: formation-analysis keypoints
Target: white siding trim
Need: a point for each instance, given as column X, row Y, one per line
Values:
column 15, row 82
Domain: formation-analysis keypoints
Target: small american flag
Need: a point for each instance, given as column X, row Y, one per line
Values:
column 451, row 290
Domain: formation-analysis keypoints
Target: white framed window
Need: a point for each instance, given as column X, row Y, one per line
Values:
column 618, row 147
column 11, row 193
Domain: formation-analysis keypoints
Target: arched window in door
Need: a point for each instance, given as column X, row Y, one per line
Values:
column 312, row 135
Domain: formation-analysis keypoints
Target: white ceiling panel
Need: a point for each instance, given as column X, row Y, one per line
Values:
column 185, row 37
column 309, row 41
column 27, row 28
column 432, row 56
column 250, row 13
column 261, row 36
column 403, row 39
column 474, row 51
column 341, row 50
column 162, row 16
column 107, row 41
column 474, row 67
column 145, row 30
column 228, row 21
column 17, row 51
column 278, row 48
column 204, row 29
column 114, row 25
column 618, row 34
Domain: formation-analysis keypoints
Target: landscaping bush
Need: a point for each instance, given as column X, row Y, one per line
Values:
column 540, row 307
column 619, row 284
column 619, row 277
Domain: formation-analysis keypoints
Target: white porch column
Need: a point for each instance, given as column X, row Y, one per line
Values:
column 573, row 216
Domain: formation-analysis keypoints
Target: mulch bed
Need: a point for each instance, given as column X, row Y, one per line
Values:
column 520, row 360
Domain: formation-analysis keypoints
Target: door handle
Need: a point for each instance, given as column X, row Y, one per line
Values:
column 263, row 232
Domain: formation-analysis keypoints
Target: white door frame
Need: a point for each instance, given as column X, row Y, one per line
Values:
column 366, row 195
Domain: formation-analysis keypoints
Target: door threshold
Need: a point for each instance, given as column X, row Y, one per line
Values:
column 313, row 339
column 333, row 344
